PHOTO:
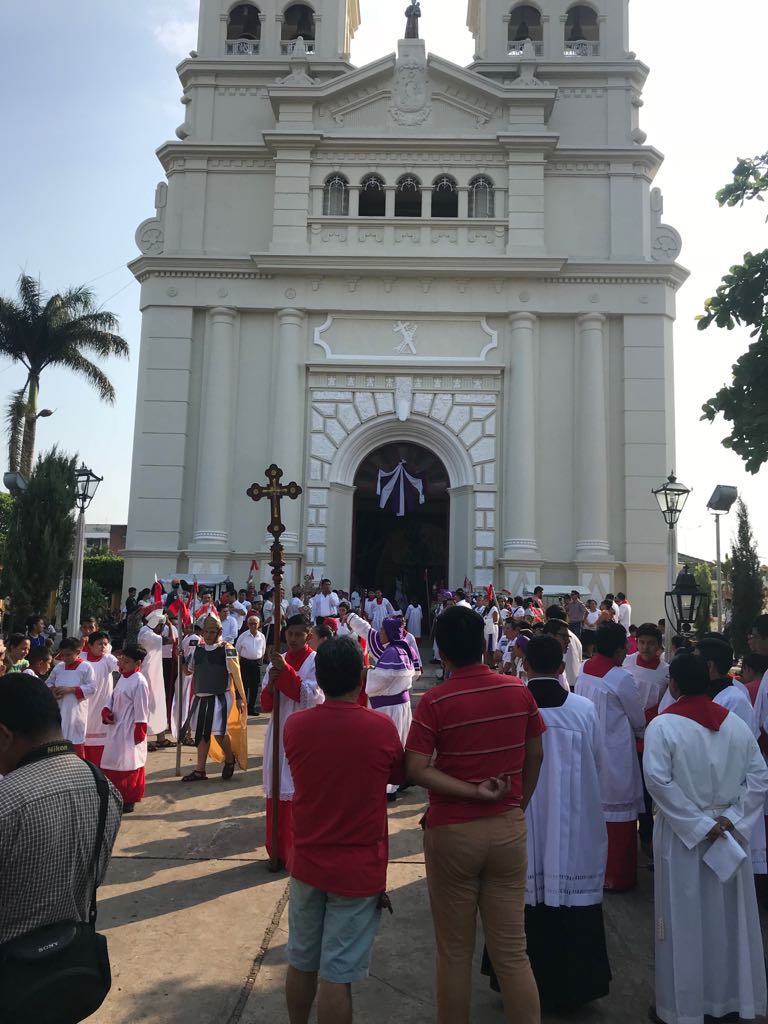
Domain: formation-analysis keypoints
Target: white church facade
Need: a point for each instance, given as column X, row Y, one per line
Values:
column 461, row 269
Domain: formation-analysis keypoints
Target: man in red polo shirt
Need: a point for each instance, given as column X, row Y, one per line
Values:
column 475, row 744
column 341, row 756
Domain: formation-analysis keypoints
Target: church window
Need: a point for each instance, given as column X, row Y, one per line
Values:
column 525, row 23
column 582, row 32
column 408, row 197
column 481, row 197
column 244, row 22
column 298, row 20
column 373, row 198
column 445, row 197
column 336, row 196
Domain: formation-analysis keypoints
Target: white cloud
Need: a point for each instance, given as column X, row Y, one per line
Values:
column 176, row 27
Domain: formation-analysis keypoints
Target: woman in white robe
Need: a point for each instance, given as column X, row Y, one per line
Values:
column 151, row 639
column 708, row 780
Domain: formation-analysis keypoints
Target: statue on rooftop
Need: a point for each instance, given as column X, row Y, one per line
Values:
column 413, row 13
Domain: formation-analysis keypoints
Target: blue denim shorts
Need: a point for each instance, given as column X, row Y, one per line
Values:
column 331, row 935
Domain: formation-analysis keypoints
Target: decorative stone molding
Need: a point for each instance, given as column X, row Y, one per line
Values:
column 666, row 242
column 434, row 330
column 411, row 103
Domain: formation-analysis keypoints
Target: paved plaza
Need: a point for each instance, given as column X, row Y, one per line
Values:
column 197, row 925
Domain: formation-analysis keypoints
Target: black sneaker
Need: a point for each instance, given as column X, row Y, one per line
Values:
column 129, row 808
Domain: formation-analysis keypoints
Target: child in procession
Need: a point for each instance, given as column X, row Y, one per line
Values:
column 125, row 717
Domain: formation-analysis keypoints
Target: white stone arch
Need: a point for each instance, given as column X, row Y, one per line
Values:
column 387, row 429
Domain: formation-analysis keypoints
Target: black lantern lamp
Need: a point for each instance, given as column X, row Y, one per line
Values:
column 684, row 602
column 671, row 496
column 87, row 484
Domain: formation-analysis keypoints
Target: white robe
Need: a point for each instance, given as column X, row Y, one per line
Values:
column 96, row 731
column 622, row 718
column 573, row 659
column 413, row 617
column 709, row 948
column 378, row 612
column 152, row 670
column 567, row 837
column 652, row 683
column 311, row 696
column 129, row 704
column 74, row 712
column 188, row 645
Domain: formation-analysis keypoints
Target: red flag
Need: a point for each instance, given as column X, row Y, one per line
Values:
column 254, row 565
column 177, row 608
column 490, row 593
column 192, row 596
column 157, row 590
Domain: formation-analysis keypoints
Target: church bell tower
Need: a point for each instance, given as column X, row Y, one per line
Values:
column 558, row 30
column 267, row 31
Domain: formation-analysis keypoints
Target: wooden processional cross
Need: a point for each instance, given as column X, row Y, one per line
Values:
column 275, row 491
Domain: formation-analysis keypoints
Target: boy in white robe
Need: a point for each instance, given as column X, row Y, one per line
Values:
column 622, row 718
column 72, row 681
column 103, row 664
column 151, row 639
column 708, row 780
column 125, row 718
column 567, row 843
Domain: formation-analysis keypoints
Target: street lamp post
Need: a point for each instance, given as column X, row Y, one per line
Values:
column 720, row 504
column 684, row 601
column 671, row 497
column 87, row 484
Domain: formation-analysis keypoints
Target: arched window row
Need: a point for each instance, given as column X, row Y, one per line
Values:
column 408, row 196
column 525, row 31
column 244, row 29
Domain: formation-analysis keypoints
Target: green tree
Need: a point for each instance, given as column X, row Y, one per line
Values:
column 742, row 299
column 93, row 601
column 7, row 506
column 60, row 330
column 40, row 538
column 703, row 576
column 746, row 579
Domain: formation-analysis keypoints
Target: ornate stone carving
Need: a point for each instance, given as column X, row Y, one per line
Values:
column 666, row 243
column 408, row 332
column 150, row 237
column 411, row 103
column 403, row 397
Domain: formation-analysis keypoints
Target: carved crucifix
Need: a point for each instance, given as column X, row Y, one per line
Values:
column 275, row 491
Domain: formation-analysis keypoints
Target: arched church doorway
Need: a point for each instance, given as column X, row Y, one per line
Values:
column 392, row 551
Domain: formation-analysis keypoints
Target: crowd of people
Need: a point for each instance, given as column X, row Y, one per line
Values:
column 558, row 744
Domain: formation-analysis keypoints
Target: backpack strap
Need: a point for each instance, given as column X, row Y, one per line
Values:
column 102, row 787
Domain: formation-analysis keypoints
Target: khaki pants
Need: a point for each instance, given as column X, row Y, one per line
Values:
column 480, row 865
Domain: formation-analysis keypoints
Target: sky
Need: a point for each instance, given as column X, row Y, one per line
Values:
column 91, row 91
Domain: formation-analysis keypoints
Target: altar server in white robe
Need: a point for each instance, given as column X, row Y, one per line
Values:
column 72, row 682
column 708, row 781
column 378, row 609
column 103, row 665
column 151, row 639
column 622, row 718
column 567, row 843
column 413, row 618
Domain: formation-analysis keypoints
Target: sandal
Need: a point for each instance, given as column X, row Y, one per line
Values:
column 163, row 744
column 228, row 770
column 195, row 776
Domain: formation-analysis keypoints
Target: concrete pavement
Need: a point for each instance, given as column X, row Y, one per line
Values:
column 197, row 926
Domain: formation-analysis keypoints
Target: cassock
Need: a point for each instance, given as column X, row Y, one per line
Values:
column 621, row 719
column 573, row 659
column 702, row 762
column 125, row 745
column 296, row 689
column 96, row 730
column 388, row 685
column 74, row 707
column 413, row 617
column 152, row 670
column 567, row 851
column 378, row 610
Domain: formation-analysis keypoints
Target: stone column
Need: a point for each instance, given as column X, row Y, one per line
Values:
column 520, row 488
column 354, row 200
column 287, row 428
column 389, row 200
column 426, row 203
column 591, row 442
column 217, row 416
column 463, row 203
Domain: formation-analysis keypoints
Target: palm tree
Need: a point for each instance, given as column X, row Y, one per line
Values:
column 60, row 330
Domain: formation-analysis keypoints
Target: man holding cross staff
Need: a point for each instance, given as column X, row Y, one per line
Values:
column 291, row 685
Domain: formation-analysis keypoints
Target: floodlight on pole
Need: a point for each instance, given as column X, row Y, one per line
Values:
column 720, row 504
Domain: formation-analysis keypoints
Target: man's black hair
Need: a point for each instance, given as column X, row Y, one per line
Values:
column 553, row 627
column 588, row 638
column 131, row 590
column 459, row 593
column 339, row 666
column 33, row 619
column 718, row 652
column 757, row 662
column 135, row 652
column 544, row 654
column 459, row 636
column 37, row 654
column 610, row 638
column 86, row 619
column 689, row 671
column 681, row 643
column 70, row 643
column 621, row 597
column 297, row 620
column 27, row 707
column 100, row 634
column 554, row 611
column 17, row 638
column 649, row 629
column 324, row 632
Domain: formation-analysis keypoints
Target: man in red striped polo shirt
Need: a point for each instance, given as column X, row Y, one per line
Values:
column 475, row 744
